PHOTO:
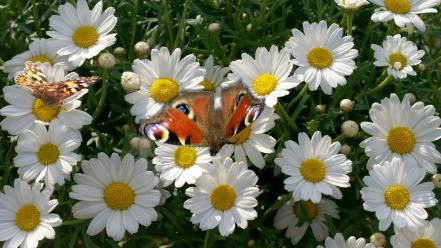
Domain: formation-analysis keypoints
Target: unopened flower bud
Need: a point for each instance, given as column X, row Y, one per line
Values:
column 214, row 28
column 134, row 142
column 422, row 67
column 119, row 51
column 378, row 239
column 411, row 96
column 144, row 144
column 349, row 129
column 106, row 60
column 346, row 105
column 142, row 48
column 249, row 27
column 436, row 179
column 320, row 108
column 345, row 149
column 126, row 128
column 130, row 81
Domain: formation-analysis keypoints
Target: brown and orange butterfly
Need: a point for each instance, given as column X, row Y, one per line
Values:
column 51, row 93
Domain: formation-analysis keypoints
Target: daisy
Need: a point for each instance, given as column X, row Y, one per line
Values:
column 39, row 51
column 252, row 140
column 404, row 12
column 289, row 217
column 393, row 191
column 351, row 5
column 118, row 195
column 81, row 33
column 224, row 197
column 25, row 215
column 402, row 131
column 182, row 164
column 323, row 55
column 267, row 76
column 25, row 109
column 162, row 79
column 314, row 167
column 47, row 154
column 214, row 75
column 339, row 242
column 398, row 55
column 428, row 236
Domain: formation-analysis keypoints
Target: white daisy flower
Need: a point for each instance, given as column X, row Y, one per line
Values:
column 398, row 55
column 252, row 140
column 404, row 12
column 25, row 215
column 224, row 197
column 25, row 109
column 118, row 195
column 289, row 217
column 162, row 79
column 47, row 154
column 339, row 242
column 39, row 51
column 214, row 75
column 314, row 167
column 402, row 131
column 323, row 55
column 267, row 76
column 351, row 5
column 427, row 236
column 182, row 164
column 81, row 33
column 393, row 191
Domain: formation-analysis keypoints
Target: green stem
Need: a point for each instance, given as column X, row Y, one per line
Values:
column 102, row 100
column 36, row 19
column 382, row 84
column 285, row 116
column 167, row 20
column 349, row 23
column 208, row 241
column 181, row 25
column 434, row 61
column 1, row 61
column 299, row 96
column 278, row 204
column 390, row 27
column 133, row 33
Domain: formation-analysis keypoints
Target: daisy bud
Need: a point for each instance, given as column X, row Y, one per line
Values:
column 130, row 81
column 251, row 243
column 243, row 16
column 349, row 129
column 378, row 239
column 411, row 96
column 345, row 149
column 249, row 27
column 106, row 61
column 233, row 44
column 346, row 105
column 142, row 48
column 199, row 19
column 144, row 144
column 436, row 179
column 422, row 67
column 126, row 128
column 119, row 51
column 134, row 142
column 214, row 28
column 320, row 108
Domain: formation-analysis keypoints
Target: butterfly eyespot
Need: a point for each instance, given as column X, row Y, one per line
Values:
column 252, row 114
column 156, row 132
column 184, row 108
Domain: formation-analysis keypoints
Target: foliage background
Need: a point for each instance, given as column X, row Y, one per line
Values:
column 184, row 24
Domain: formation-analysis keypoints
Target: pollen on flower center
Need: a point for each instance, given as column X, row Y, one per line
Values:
column 401, row 140
column 119, row 196
column 397, row 6
column 44, row 112
column 163, row 90
column 396, row 197
column 320, row 58
column 27, row 218
column 85, row 36
column 423, row 243
column 264, row 84
column 313, row 170
column 208, row 86
column 185, row 156
column 241, row 137
column 48, row 154
column 310, row 207
column 42, row 58
column 397, row 57
column 223, row 197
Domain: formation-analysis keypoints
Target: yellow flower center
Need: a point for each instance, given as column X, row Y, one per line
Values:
column 208, row 86
column 44, row 112
column 48, row 154
column 396, row 197
column 119, row 196
column 240, row 137
column 85, row 36
column 310, row 207
column 320, row 58
column 223, row 197
column 397, row 6
column 42, row 59
column 27, row 218
column 264, row 84
column 397, row 57
column 313, row 170
column 163, row 90
column 185, row 156
column 423, row 243
column 400, row 140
